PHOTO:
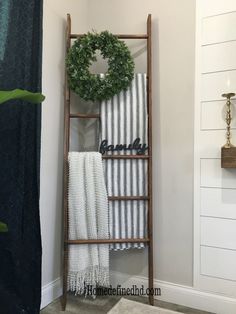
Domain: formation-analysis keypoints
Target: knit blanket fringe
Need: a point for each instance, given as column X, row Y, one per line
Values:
column 86, row 281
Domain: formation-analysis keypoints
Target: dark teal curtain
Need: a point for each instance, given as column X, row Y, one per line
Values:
column 4, row 20
column 20, row 67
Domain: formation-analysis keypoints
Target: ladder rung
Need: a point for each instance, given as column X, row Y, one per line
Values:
column 101, row 241
column 128, row 198
column 126, row 157
column 120, row 36
column 85, row 116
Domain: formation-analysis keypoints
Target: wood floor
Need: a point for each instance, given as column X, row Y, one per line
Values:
column 80, row 305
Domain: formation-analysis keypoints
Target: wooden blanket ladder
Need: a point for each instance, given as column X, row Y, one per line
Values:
column 67, row 116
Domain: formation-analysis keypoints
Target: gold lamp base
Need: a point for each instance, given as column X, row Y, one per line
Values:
column 228, row 119
column 228, row 145
column 228, row 151
column 228, row 95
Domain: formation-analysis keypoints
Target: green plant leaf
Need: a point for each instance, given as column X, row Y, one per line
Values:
column 21, row 94
column 3, row 227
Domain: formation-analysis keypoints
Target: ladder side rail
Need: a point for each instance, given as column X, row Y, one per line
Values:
column 150, row 193
column 66, row 170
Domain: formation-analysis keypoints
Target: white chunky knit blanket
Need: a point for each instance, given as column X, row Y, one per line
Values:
column 88, row 219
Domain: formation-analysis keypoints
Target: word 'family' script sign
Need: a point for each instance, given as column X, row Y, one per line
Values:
column 136, row 145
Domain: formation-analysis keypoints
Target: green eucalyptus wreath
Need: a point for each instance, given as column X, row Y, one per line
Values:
column 93, row 86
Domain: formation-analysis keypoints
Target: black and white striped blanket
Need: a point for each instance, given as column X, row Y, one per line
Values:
column 123, row 120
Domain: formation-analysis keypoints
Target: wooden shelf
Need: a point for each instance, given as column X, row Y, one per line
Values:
column 120, row 36
column 228, row 157
column 128, row 198
column 126, row 157
column 85, row 116
column 102, row 241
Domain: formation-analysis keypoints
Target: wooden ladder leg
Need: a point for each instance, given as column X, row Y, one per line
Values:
column 150, row 273
column 65, row 275
column 150, row 205
column 66, row 170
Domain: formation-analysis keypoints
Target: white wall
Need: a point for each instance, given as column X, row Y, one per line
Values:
column 215, row 201
column 173, row 69
column 52, row 129
column 173, row 96
column 173, row 56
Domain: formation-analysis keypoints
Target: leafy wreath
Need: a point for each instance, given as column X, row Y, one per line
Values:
column 94, row 86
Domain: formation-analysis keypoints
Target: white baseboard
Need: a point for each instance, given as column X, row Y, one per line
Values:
column 182, row 295
column 170, row 292
column 50, row 292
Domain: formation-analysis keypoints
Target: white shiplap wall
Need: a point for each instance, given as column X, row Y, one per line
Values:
column 215, row 188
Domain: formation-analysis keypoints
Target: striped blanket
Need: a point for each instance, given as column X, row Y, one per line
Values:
column 124, row 121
